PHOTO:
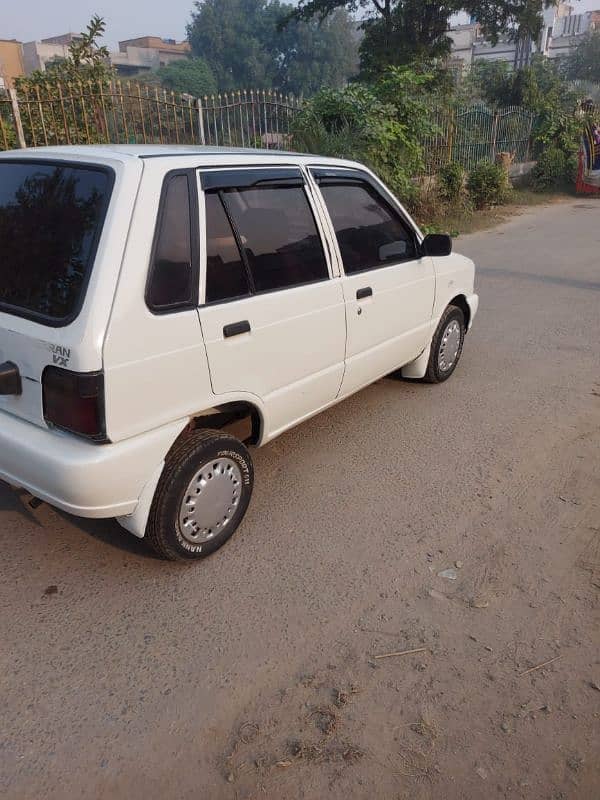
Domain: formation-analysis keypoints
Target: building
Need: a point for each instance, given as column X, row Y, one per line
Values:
column 11, row 62
column 36, row 55
column 147, row 53
column 63, row 39
column 560, row 35
column 134, row 55
column 565, row 34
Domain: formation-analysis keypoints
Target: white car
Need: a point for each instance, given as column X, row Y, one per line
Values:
column 154, row 299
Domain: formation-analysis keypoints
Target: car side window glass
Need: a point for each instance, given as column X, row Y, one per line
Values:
column 278, row 234
column 226, row 276
column 370, row 233
column 171, row 278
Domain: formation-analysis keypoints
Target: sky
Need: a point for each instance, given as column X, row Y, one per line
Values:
column 125, row 19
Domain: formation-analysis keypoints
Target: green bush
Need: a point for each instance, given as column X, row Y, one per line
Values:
column 451, row 180
column 381, row 125
column 488, row 185
column 550, row 169
column 353, row 123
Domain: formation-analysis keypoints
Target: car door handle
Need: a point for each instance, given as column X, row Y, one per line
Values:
column 236, row 328
column 362, row 293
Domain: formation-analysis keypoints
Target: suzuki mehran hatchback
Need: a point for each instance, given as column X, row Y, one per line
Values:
column 163, row 308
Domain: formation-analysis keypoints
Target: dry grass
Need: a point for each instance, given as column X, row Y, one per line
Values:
column 434, row 216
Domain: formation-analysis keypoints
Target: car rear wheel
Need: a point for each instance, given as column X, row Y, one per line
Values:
column 446, row 346
column 201, row 497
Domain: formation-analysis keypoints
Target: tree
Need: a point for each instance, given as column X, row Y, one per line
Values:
column 537, row 87
column 191, row 75
column 398, row 31
column 242, row 43
column 313, row 54
column 414, row 30
column 382, row 124
column 87, row 61
column 541, row 88
column 584, row 64
column 86, row 65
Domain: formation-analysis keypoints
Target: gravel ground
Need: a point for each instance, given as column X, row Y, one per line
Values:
column 255, row 674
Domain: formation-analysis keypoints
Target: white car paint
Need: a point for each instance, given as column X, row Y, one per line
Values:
column 309, row 347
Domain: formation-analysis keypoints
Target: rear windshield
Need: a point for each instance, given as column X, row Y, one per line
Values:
column 51, row 217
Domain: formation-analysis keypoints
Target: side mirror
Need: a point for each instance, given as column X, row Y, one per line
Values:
column 394, row 251
column 437, row 244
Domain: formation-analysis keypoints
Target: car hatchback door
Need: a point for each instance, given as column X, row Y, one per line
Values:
column 273, row 317
column 389, row 285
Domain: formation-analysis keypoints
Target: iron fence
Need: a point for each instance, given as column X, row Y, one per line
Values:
column 131, row 113
column 127, row 112
column 470, row 134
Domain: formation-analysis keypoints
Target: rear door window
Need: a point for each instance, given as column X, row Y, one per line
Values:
column 261, row 234
column 51, row 218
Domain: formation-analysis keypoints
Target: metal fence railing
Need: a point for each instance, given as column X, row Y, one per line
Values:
column 124, row 112
column 132, row 113
column 470, row 134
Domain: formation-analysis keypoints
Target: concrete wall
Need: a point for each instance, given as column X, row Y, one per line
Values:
column 11, row 62
column 37, row 54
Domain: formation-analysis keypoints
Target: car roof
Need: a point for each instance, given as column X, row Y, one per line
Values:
column 128, row 152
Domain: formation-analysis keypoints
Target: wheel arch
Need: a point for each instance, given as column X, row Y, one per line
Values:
column 460, row 301
column 241, row 418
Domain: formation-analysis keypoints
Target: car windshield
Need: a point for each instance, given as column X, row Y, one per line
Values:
column 51, row 217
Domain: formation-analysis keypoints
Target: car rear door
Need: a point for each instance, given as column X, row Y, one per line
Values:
column 273, row 312
column 389, row 285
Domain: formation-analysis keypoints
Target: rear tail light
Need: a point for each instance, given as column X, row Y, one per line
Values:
column 75, row 402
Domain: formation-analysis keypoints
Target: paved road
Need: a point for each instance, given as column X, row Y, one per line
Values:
column 253, row 674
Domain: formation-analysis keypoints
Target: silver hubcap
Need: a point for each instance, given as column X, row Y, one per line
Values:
column 210, row 500
column 449, row 347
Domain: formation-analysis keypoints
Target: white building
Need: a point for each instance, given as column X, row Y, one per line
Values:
column 561, row 33
column 566, row 32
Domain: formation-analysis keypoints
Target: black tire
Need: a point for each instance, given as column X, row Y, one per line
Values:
column 435, row 374
column 163, row 531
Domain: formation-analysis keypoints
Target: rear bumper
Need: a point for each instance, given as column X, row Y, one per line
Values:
column 81, row 478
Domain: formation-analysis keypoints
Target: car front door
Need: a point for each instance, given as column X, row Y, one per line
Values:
column 273, row 312
column 389, row 286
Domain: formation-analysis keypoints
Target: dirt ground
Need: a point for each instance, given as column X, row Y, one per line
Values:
column 459, row 522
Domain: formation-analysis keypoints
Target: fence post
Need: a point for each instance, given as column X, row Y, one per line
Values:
column 495, row 136
column 529, row 132
column 201, row 122
column 451, row 123
column 14, row 100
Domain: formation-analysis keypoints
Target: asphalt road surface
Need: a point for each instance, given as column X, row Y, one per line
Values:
column 254, row 674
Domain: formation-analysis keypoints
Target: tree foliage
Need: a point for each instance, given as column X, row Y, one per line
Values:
column 381, row 125
column 584, row 64
column 244, row 44
column 87, row 61
column 414, row 30
column 400, row 31
column 191, row 76
column 540, row 87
